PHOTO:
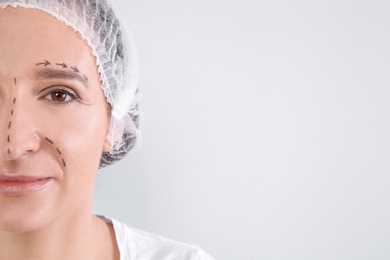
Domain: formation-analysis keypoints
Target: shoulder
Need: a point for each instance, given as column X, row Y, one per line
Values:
column 141, row 245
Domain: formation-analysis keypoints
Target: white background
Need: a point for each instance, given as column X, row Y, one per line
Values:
column 266, row 128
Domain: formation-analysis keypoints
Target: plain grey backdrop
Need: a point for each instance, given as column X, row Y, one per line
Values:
column 266, row 128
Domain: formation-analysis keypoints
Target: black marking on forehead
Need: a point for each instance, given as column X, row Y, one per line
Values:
column 15, row 81
column 50, row 141
column 9, row 124
column 63, row 65
column 8, row 139
column 12, row 112
column 45, row 63
column 14, row 101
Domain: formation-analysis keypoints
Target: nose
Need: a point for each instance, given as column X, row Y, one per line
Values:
column 18, row 132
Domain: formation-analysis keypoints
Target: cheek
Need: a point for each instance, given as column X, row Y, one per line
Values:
column 86, row 137
column 79, row 137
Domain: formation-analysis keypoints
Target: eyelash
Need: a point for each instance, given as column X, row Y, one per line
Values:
column 68, row 92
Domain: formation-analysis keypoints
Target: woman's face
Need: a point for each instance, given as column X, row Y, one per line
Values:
column 53, row 121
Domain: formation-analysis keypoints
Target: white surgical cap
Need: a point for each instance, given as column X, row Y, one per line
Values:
column 116, row 60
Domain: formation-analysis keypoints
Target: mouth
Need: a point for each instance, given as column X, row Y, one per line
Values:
column 21, row 185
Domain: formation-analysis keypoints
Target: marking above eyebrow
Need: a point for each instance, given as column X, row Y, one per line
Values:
column 63, row 65
column 47, row 73
column 43, row 63
column 15, row 81
column 75, row 69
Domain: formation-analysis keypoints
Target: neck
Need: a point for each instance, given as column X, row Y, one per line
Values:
column 81, row 236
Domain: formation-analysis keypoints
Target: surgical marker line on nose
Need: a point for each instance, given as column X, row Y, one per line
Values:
column 10, row 122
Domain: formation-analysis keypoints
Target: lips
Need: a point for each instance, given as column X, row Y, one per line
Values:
column 21, row 185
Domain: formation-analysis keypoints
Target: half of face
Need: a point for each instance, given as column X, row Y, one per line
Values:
column 54, row 120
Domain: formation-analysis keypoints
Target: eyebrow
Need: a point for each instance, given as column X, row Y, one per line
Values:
column 47, row 73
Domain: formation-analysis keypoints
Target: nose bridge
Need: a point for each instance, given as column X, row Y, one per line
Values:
column 17, row 128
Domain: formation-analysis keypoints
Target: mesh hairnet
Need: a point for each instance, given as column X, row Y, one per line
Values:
column 116, row 60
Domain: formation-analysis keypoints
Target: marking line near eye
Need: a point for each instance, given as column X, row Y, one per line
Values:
column 14, row 101
column 9, row 124
column 64, row 163
column 8, row 139
column 58, row 150
column 15, row 81
column 12, row 112
column 9, row 150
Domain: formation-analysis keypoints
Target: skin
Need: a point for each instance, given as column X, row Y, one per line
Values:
column 54, row 222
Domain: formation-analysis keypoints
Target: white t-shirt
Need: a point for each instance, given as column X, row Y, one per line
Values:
column 136, row 244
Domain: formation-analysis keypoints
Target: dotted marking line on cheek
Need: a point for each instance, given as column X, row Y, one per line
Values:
column 57, row 149
column 50, row 141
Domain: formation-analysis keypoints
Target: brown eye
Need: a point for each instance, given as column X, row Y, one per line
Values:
column 59, row 96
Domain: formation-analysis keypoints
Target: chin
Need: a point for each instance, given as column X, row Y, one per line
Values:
column 20, row 224
column 23, row 216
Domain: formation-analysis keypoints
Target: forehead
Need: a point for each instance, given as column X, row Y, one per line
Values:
column 29, row 36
